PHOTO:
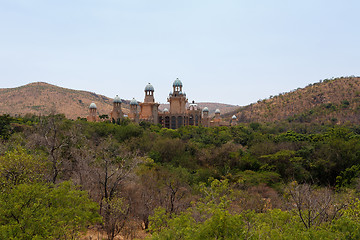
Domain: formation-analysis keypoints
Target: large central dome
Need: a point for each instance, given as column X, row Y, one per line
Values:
column 177, row 83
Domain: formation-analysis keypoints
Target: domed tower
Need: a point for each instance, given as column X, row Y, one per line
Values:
column 149, row 93
column 134, row 114
column 205, row 119
column 217, row 114
column 92, row 117
column 233, row 121
column 116, row 113
column 177, row 98
column 149, row 109
column 193, row 113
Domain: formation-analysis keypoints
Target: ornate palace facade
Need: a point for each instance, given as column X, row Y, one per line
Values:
column 180, row 113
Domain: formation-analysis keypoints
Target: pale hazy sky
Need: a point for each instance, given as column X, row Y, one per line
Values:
column 223, row 51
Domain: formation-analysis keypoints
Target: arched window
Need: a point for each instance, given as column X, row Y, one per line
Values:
column 173, row 122
column 161, row 120
column 167, row 122
column 191, row 120
column 180, row 121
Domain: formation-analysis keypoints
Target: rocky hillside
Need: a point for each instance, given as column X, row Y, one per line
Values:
column 42, row 99
column 331, row 100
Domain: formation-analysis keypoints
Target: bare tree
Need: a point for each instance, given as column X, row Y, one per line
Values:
column 314, row 205
column 111, row 166
column 52, row 134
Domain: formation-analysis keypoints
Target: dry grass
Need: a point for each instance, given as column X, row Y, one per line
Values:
column 41, row 98
column 319, row 102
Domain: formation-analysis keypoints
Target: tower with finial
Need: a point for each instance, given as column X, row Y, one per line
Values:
column 149, row 108
column 134, row 113
column 116, row 113
column 205, row 118
column 92, row 117
column 233, row 120
column 177, row 98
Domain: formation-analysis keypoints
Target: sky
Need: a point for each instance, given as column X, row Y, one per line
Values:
column 228, row 51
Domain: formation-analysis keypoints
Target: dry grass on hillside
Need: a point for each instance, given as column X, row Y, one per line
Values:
column 42, row 99
column 328, row 100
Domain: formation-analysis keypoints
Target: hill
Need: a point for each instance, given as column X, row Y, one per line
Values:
column 331, row 100
column 41, row 98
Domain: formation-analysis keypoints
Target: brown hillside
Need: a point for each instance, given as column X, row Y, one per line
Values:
column 42, row 98
column 335, row 100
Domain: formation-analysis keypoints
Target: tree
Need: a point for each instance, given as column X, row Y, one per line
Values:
column 160, row 186
column 40, row 211
column 17, row 167
column 112, row 166
column 53, row 134
column 314, row 206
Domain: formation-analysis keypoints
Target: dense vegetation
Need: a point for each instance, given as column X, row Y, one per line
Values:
column 251, row 181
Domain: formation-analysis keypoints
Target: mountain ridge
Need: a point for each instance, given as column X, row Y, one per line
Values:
column 335, row 100
column 41, row 98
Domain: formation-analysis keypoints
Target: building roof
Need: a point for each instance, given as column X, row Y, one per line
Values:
column 234, row 117
column 117, row 99
column 134, row 102
column 217, row 111
column 205, row 109
column 149, row 87
column 92, row 106
column 166, row 110
column 177, row 83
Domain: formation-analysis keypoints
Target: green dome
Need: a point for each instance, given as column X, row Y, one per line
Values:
column 149, row 87
column 92, row 106
column 177, row 83
column 133, row 102
column 117, row 99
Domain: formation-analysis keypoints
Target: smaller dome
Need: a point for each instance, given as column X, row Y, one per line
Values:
column 217, row 111
column 166, row 110
column 149, row 87
column 234, row 117
column 92, row 106
column 177, row 83
column 133, row 102
column 184, row 94
column 180, row 93
column 117, row 99
column 205, row 109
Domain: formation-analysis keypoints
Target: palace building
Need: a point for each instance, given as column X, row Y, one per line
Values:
column 180, row 113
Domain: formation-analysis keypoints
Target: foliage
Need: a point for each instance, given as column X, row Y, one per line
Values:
column 40, row 211
column 194, row 182
column 17, row 167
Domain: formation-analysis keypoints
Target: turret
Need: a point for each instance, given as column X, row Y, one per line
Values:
column 134, row 114
column 92, row 117
column 117, row 113
column 149, row 93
